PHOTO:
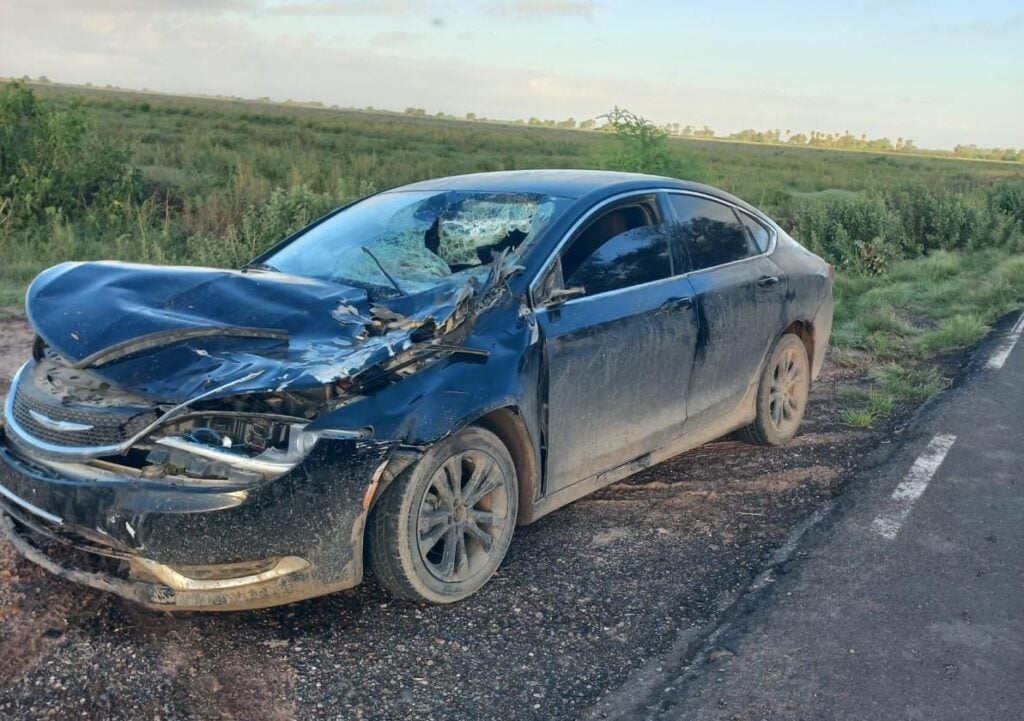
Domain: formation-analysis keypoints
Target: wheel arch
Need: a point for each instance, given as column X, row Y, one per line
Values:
column 510, row 428
column 508, row 425
column 804, row 330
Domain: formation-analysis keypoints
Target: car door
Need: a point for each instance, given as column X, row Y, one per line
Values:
column 739, row 294
column 617, row 356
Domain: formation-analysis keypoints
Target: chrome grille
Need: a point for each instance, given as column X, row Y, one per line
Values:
column 108, row 427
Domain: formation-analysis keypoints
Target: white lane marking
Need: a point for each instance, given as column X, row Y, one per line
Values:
column 1004, row 349
column 913, row 485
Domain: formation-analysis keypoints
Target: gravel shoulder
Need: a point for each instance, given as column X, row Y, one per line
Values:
column 587, row 596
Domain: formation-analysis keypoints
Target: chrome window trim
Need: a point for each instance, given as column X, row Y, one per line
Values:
column 553, row 257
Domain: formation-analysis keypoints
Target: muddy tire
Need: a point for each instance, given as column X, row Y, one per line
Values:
column 442, row 528
column 781, row 394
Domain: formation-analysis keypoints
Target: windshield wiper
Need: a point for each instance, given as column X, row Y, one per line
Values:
column 260, row 266
column 387, row 275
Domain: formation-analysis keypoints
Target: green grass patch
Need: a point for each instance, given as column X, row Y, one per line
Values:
column 957, row 331
column 908, row 384
column 893, row 385
column 859, row 417
column 943, row 301
column 893, row 322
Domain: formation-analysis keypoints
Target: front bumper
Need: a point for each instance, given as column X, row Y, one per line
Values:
column 178, row 546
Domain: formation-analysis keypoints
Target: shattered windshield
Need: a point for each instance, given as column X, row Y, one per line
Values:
column 404, row 242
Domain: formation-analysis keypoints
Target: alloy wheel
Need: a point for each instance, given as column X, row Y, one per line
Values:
column 787, row 394
column 462, row 516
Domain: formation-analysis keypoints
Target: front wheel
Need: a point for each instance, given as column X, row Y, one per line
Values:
column 441, row 529
column 781, row 395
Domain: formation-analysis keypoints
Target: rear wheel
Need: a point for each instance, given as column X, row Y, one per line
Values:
column 781, row 395
column 441, row 529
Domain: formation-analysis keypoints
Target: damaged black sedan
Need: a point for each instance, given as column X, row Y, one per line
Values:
column 398, row 385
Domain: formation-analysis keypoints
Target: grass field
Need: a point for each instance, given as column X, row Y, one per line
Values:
column 929, row 249
column 212, row 142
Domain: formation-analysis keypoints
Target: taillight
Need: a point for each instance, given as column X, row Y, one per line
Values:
column 831, row 272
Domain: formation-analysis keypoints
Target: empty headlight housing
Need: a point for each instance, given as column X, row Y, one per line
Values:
column 233, row 447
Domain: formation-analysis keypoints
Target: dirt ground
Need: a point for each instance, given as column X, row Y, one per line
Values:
column 586, row 596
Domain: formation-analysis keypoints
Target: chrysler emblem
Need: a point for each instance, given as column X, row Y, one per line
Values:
column 65, row 426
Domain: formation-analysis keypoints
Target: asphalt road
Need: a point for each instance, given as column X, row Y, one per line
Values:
column 906, row 602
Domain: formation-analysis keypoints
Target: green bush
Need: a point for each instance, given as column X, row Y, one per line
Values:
column 1008, row 198
column 51, row 164
column 264, row 225
column 933, row 219
column 853, row 232
column 868, row 233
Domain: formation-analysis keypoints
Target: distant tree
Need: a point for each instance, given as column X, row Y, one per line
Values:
column 470, row 116
column 641, row 146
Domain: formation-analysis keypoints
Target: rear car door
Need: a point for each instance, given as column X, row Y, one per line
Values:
column 739, row 294
column 618, row 356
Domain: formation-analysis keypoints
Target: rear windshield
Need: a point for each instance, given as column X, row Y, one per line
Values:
column 404, row 242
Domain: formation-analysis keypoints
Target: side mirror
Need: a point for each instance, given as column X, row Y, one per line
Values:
column 560, row 295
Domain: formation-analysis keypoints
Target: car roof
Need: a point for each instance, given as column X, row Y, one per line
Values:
column 565, row 183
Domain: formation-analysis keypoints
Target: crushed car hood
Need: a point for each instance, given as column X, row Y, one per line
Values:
column 172, row 333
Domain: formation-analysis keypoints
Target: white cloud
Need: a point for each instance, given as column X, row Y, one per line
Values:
column 525, row 9
column 320, row 8
column 237, row 47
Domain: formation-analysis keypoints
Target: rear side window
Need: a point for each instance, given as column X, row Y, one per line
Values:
column 757, row 231
column 709, row 231
column 621, row 248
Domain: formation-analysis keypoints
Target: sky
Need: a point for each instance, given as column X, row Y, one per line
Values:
column 939, row 72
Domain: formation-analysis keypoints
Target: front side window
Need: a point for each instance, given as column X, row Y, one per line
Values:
column 403, row 242
column 709, row 231
column 623, row 247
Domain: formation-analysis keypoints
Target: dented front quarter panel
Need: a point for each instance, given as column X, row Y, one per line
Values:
column 445, row 395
